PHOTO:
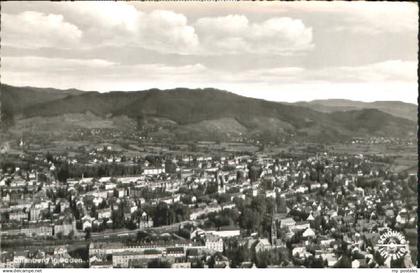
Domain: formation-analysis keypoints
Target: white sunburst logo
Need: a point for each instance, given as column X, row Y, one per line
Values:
column 392, row 244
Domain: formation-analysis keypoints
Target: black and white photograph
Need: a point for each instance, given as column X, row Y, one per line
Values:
column 208, row 134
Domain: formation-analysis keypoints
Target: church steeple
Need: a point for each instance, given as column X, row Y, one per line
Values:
column 274, row 224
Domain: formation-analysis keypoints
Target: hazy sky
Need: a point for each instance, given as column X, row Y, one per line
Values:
column 283, row 51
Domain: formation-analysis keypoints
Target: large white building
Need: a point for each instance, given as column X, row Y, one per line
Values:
column 213, row 242
column 18, row 216
column 153, row 171
column 124, row 259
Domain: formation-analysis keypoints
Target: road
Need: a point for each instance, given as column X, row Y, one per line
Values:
column 127, row 232
column 106, row 234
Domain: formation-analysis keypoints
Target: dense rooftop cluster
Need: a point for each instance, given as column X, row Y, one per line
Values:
column 323, row 210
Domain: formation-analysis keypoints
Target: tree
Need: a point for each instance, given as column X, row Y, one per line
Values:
column 236, row 253
column 59, row 235
column 49, row 157
column 211, row 262
column 87, row 234
column 344, row 262
column 141, row 236
column 222, row 198
column 117, row 217
column 158, row 263
column 249, row 220
column 170, row 167
column 318, row 263
column 378, row 258
column 161, row 216
column 254, row 173
column 93, row 212
column 63, row 173
column 197, row 263
column 211, row 188
column 263, row 259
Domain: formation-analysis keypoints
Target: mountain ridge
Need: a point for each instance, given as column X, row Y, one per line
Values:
column 209, row 112
column 395, row 108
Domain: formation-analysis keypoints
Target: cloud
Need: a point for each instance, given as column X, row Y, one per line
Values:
column 168, row 31
column 390, row 80
column 52, row 65
column 280, row 29
column 121, row 24
column 382, row 19
column 366, row 91
column 235, row 34
column 113, row 75
column 277, row 48
column 89, row 24
column 101, row 23
column 391, row 70
column 97, row 74
column 34, row 29
column 365, row 17
column 388, row 71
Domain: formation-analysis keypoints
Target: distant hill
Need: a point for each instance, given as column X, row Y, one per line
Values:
column 184, row 106
column 22, row 97
column 15, row 99
column 395, row 108
column 205, row 113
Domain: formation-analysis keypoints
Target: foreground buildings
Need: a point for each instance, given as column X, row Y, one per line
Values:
column 321, row 210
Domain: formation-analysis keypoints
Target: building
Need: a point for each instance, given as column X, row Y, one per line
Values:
column 225, row 233
column 145, row 221
column 287, row 222
column 127, row 258
column 65, row 228
column 18, row 216
column 38, row 229
column 104, row 213
column 213, row 242
column 262, row 245
column 303, row 225
column 35, row 212
column 87, row 222
column 203, row 211
column 153, row 171
column 308, row 233
column 176, row 252
column 101, row 249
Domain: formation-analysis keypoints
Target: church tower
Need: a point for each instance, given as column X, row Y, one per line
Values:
column 274, row 226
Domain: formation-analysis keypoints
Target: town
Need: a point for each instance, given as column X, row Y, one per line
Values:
column 209, row 134
column 106, row 209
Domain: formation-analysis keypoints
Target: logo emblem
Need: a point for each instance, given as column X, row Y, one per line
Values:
column 392, row 244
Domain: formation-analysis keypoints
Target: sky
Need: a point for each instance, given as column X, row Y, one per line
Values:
column 280, row 51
